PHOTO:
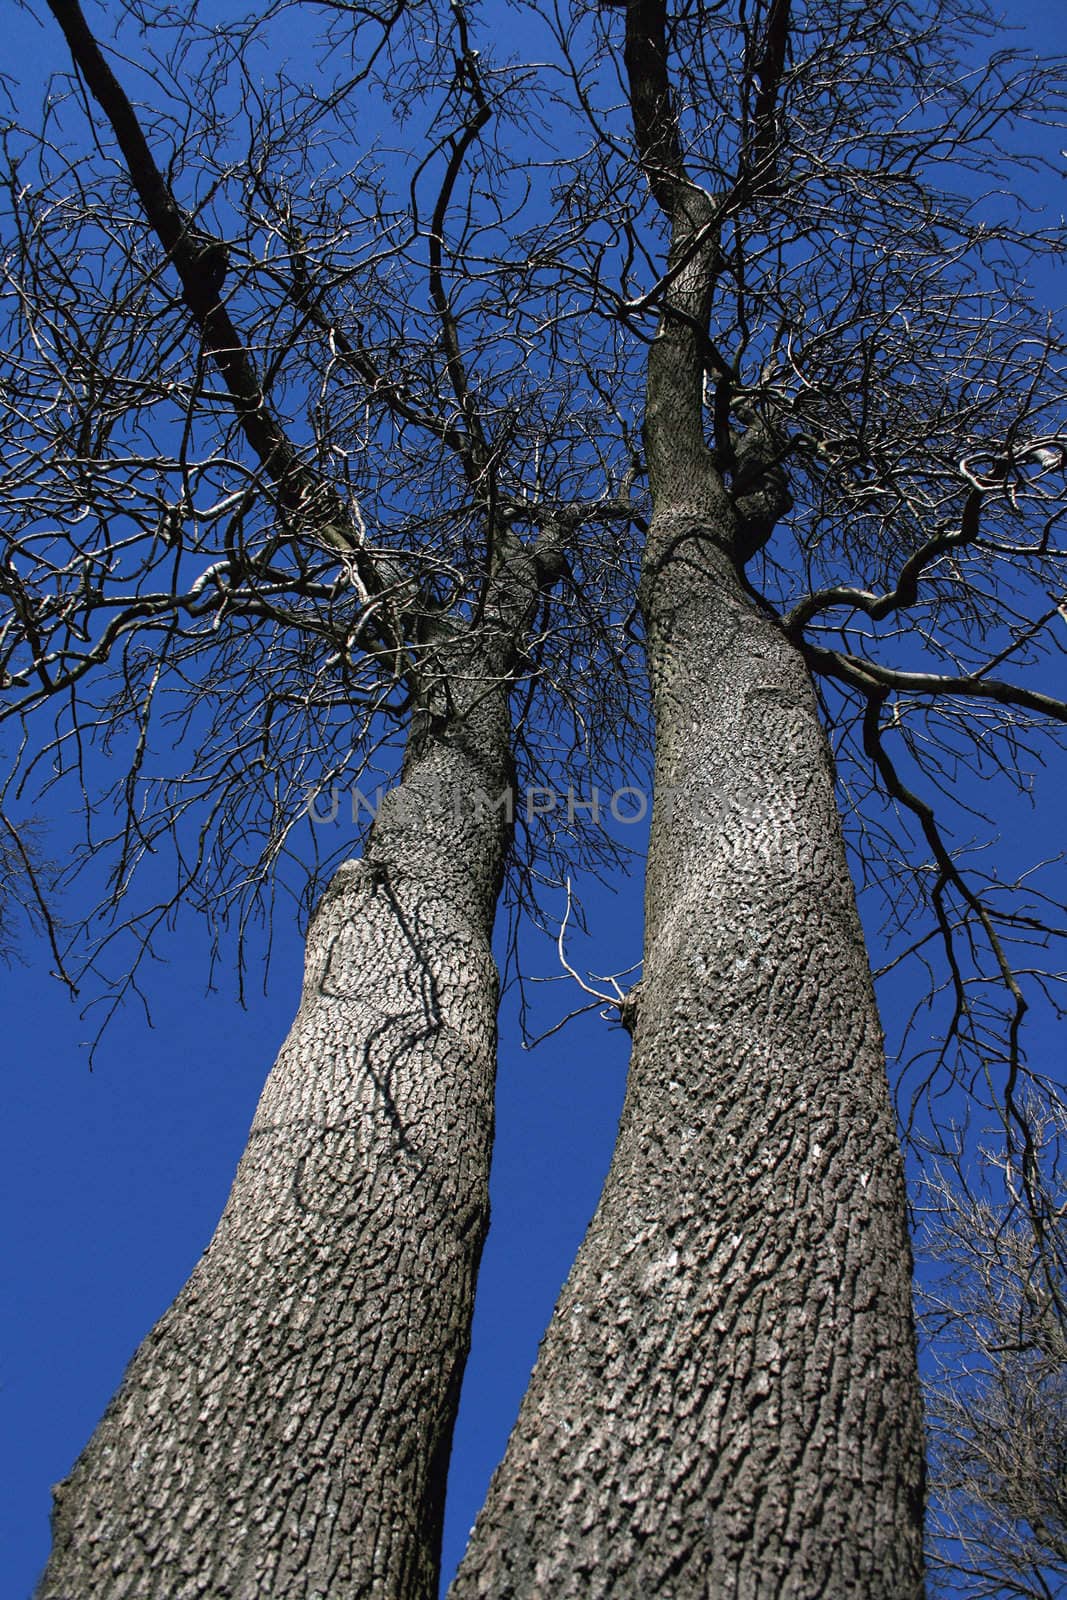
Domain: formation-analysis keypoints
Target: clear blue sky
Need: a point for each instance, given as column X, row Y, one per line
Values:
column 113, row 1181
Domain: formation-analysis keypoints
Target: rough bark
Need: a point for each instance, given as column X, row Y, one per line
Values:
column 725, row 1403
column 284, row 1430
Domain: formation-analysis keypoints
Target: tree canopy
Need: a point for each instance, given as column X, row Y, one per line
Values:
column 315, row 339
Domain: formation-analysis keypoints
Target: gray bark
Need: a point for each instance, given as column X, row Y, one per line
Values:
column 284, row 1430
column 725, row 1403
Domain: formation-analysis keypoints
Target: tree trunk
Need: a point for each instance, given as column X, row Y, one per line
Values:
column 726, row 1401
column 285, row 1428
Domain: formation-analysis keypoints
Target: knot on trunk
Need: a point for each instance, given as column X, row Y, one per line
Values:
column 629, row 1007
column 760, row 487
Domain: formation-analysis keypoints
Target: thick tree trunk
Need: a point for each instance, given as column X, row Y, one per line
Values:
column 284, row 1430
column 726, row 1401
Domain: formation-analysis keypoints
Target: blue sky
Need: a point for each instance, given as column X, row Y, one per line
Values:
column 112, row 1180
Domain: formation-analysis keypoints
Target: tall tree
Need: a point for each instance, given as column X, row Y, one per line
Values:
column 726, row 1401
column 285, row 1428
column 383, row 434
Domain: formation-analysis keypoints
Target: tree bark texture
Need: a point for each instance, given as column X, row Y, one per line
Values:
column 285, row 1428
column 726, row 1404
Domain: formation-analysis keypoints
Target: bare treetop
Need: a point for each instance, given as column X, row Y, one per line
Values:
column 272, row 424
column 305, row 327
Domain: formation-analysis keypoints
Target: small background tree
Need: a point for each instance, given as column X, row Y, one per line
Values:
column 992, row 1256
